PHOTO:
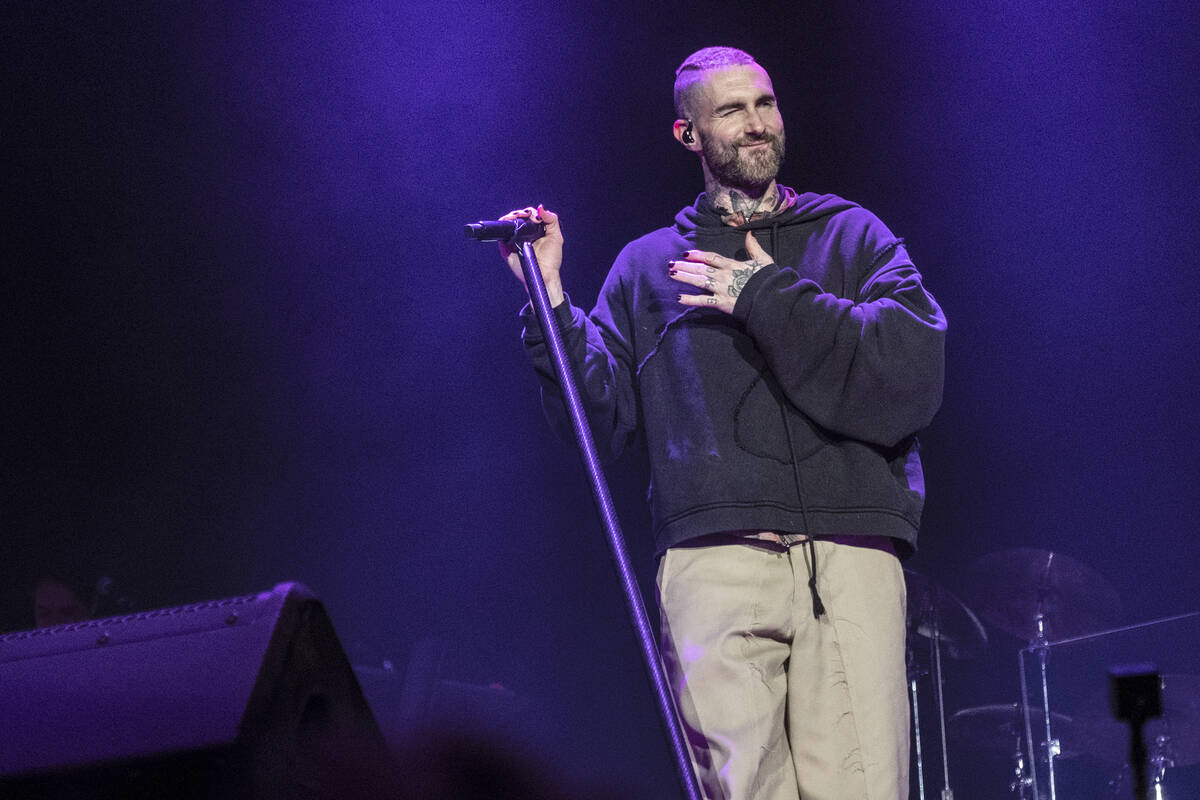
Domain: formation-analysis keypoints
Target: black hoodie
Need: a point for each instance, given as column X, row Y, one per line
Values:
column 799, row 412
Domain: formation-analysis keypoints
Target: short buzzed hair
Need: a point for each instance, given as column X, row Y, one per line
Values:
column 692, row 70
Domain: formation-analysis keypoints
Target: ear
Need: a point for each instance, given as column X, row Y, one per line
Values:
column 682, row 125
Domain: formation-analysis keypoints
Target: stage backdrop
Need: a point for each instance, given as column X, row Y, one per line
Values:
column 247, row 341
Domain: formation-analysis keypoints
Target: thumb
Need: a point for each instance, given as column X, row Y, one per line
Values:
column 755, row 249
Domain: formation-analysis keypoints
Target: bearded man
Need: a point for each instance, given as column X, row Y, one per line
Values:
column 775, row 353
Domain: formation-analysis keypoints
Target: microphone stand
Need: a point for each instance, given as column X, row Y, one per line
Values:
column 525, row 236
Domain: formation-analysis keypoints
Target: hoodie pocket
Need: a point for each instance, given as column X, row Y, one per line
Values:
column 761, row 429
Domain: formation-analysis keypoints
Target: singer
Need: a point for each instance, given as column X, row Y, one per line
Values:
column 775, row 353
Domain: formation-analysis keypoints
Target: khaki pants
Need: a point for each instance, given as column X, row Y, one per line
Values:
column 777, row 704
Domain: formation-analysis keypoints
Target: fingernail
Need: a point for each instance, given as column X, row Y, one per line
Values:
column 672, row 272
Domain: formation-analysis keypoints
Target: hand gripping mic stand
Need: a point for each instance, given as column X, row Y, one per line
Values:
column 524, row 235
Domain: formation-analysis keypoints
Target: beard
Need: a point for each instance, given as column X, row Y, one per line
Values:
column 741, row 169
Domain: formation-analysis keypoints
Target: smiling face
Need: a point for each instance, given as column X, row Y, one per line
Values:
column 738, row 128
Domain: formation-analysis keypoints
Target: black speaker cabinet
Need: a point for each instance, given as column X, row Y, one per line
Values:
column 246, row 697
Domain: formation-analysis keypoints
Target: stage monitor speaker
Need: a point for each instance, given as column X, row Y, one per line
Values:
column 246, row 697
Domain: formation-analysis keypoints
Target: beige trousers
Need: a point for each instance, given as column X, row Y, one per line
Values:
column 776, row 704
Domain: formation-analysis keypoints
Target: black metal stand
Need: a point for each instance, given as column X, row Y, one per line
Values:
column 1137, row 758
column 608, row 516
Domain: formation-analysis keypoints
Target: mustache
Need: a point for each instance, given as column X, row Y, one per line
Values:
column 769, row 138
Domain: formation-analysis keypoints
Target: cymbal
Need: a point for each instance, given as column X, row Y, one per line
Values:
column 1013, row 586
column 1108, row 738
column 931, row 608
column 998, row 727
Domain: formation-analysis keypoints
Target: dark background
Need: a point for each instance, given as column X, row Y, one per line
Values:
column 247, row 341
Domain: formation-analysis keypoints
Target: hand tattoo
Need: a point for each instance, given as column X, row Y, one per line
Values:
column 741, row 276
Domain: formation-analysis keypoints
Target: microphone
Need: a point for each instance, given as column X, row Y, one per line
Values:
column 502, row 230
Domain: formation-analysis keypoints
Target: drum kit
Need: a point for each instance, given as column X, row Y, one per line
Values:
column 1049, row 601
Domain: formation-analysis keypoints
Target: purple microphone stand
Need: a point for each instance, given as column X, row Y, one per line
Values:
column 524, row 234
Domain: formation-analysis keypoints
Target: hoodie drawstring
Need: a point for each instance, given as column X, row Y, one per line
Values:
column 810, row 557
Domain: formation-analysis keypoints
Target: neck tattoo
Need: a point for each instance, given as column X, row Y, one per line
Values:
column 742, row 208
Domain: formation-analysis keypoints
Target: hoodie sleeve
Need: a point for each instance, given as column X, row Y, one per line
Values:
column 597, row 348
column 869, row 366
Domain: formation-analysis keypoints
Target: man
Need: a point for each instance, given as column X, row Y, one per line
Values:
column 776, row 353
